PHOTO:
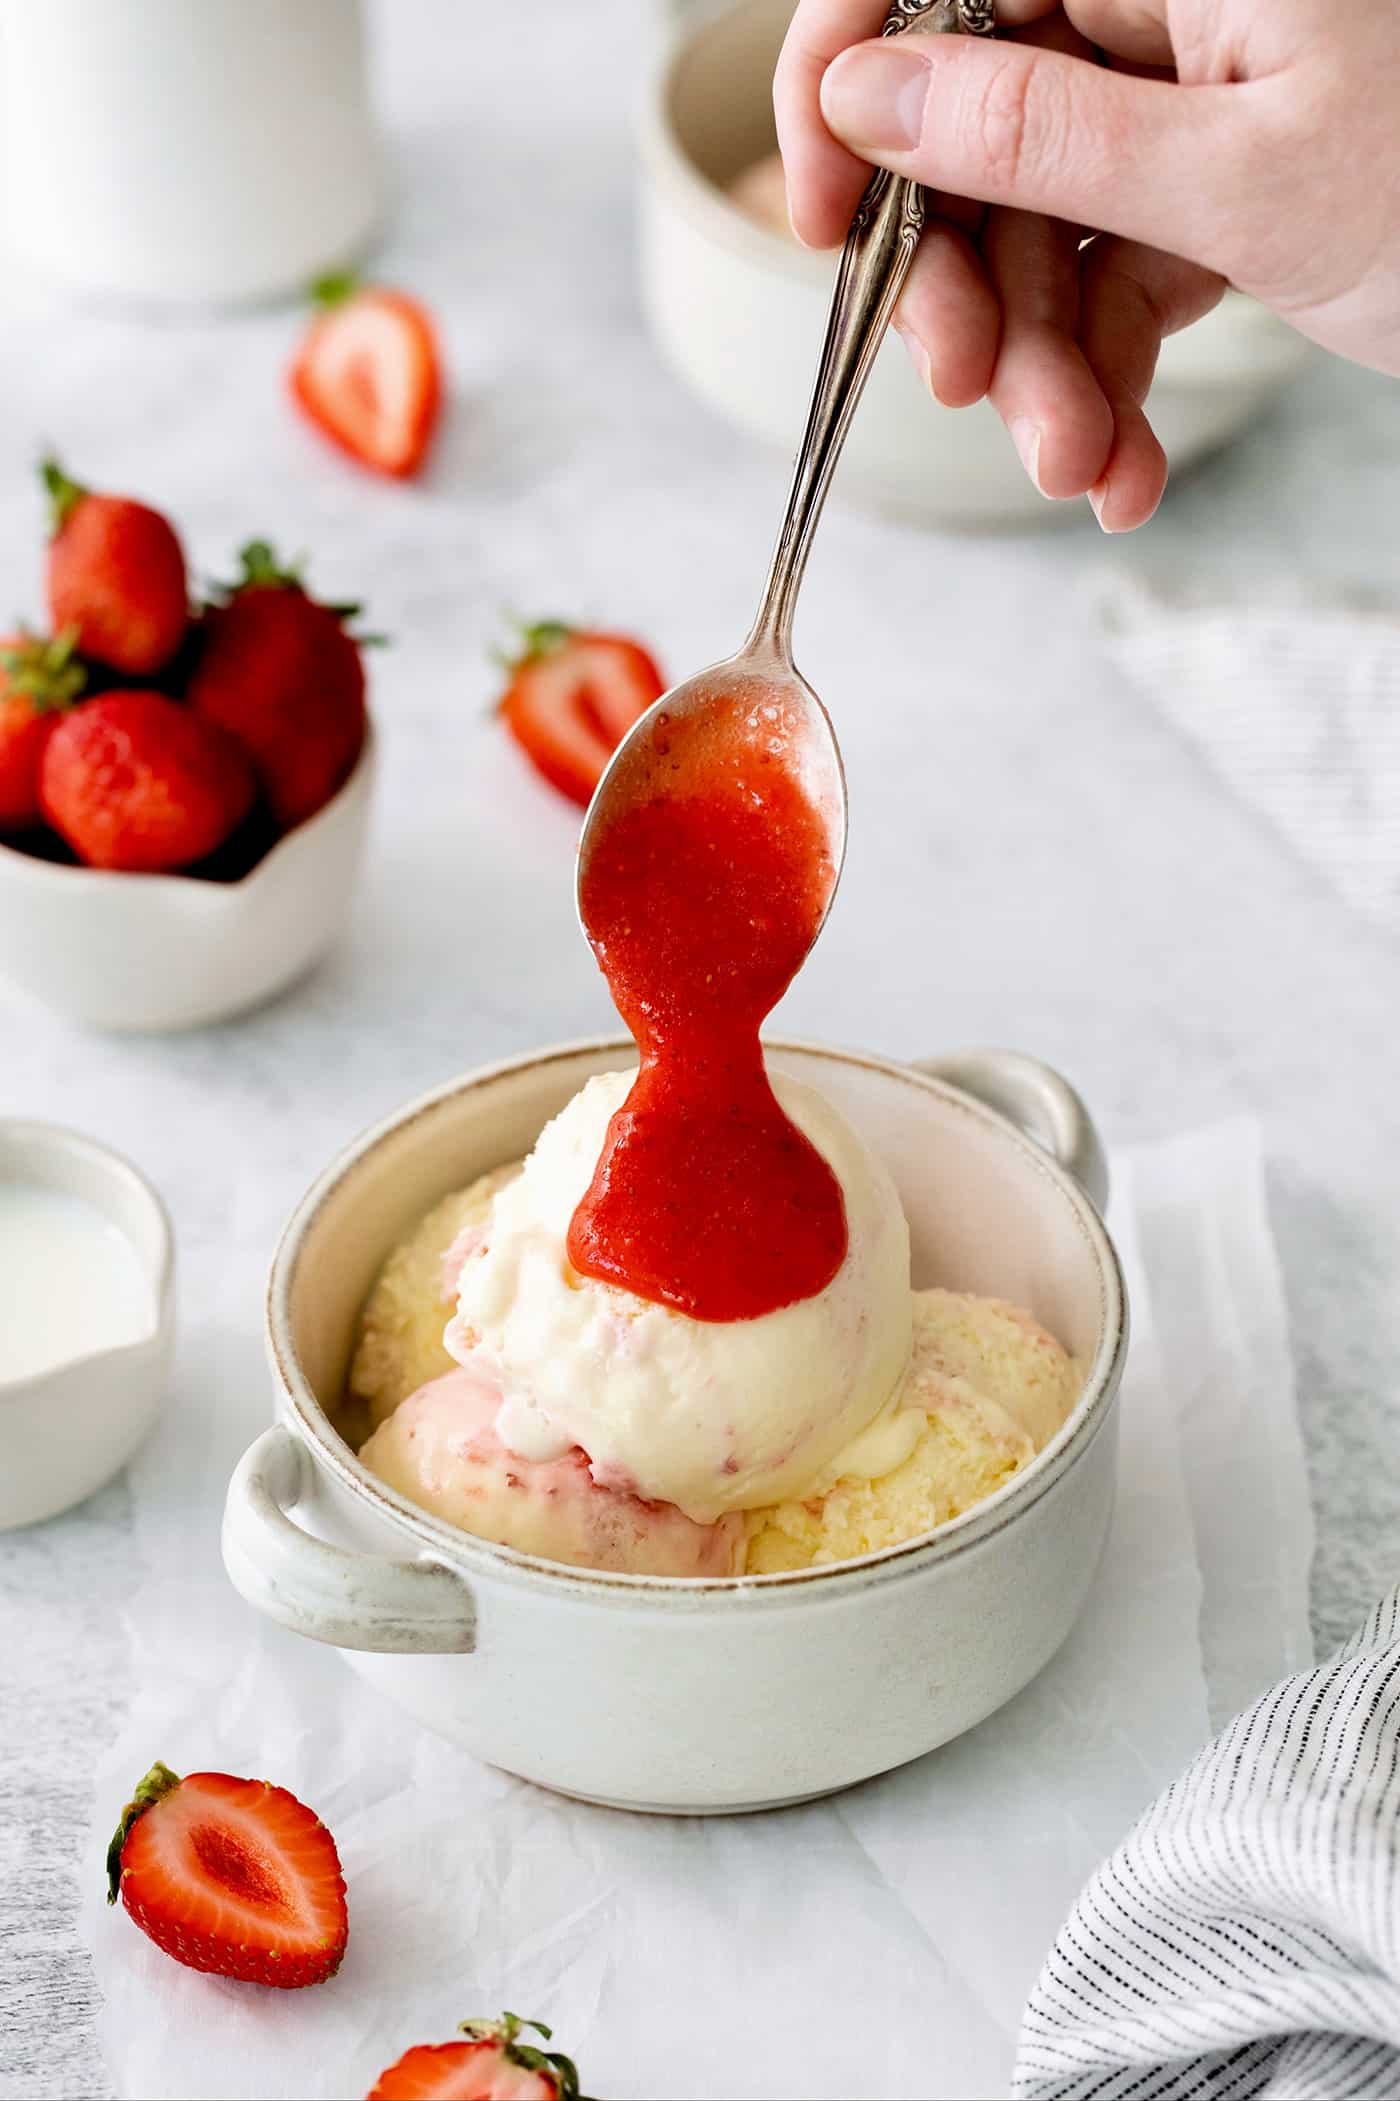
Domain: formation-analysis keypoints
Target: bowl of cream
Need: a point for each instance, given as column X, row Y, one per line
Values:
column 88, row 1259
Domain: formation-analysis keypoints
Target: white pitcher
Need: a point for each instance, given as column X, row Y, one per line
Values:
column 186, row 150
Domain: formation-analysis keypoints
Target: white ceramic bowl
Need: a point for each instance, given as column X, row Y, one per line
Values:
column 740, row 311
column 116, row 951
column 722, row 1694
column 64, row 1432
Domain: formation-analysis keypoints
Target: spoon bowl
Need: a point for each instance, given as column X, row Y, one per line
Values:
column 753, row 702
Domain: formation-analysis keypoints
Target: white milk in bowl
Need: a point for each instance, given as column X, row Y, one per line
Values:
column 71, row 1283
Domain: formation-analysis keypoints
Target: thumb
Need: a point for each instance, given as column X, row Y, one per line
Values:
column 1044, row 132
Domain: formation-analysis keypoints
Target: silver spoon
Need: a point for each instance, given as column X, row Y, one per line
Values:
column 759, row 695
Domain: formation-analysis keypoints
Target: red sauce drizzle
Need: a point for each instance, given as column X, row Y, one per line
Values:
column 700, row 906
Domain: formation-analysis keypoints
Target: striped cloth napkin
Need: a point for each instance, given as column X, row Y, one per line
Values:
column 1244, row 1940
column 1296, row 708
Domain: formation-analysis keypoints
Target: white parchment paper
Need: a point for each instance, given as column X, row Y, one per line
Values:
column 877, row 1945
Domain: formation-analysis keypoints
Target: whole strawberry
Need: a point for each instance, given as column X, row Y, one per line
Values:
column 38, row 680
column 134, row 781
column 233, row 1876
column 493, row 2066
column 116, row 576
column 281, row 673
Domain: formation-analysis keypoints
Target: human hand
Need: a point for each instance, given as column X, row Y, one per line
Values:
column 1217, row 142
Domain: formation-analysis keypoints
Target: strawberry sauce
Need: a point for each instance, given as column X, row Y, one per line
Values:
column 700, row 906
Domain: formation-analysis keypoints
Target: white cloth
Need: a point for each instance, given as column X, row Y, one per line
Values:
column 877, row 1945
column 1297, row 708
column 1245, row 1939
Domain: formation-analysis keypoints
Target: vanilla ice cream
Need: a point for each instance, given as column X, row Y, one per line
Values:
column 711, row 1416
column 991, row 1388
column 400, row 1347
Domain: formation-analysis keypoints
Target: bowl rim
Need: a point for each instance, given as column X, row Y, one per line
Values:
column 60, row 1138
column 175, row 884
column 663, row 148
column 484, row 1559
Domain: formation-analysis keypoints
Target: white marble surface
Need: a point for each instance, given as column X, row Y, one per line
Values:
column 1036, row 857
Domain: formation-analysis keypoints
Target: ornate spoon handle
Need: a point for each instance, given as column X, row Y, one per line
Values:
column 874, row 265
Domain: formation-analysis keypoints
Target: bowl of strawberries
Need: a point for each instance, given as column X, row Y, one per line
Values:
column 184, row 790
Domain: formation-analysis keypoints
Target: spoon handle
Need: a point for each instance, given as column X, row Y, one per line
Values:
column 874, row 265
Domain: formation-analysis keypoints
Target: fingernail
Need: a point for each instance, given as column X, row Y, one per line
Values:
column 1098, row 497
column 1025, row 436
column 797, row 234
column 873, row 97
column 918, row 354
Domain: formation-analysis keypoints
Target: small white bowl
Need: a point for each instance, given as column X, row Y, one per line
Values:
column 740, row 310
column 125, row 952
column 65, row 1431
column 656, row 1692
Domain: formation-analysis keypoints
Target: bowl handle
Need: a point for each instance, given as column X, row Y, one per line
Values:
column 353, row 1601
column 1038, row 1101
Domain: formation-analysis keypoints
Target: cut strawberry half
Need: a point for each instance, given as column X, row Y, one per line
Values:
column 232, row 1876
column 368, row 375
column 572, row 698
column 493, row 2066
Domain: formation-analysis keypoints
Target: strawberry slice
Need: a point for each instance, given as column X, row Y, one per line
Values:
column 493, row 2066
column 572, row 698
column 233, row 1876
column 369, row 376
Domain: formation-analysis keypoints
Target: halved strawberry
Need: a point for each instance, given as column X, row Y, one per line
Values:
column 368, row 374
column 493, row 2066
column 232, row 1876
column 572, row 698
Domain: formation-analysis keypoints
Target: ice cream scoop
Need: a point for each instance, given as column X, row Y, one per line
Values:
column 711, row 1416
column 443, row 1451
column 400, row 1346
column 991, row 1388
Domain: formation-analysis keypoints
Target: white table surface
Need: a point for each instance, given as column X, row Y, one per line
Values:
column 1036, row 858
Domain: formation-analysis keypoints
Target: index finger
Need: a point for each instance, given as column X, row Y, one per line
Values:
column 824, row 180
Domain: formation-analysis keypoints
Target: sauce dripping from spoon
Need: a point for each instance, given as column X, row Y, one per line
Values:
column 700, row 904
